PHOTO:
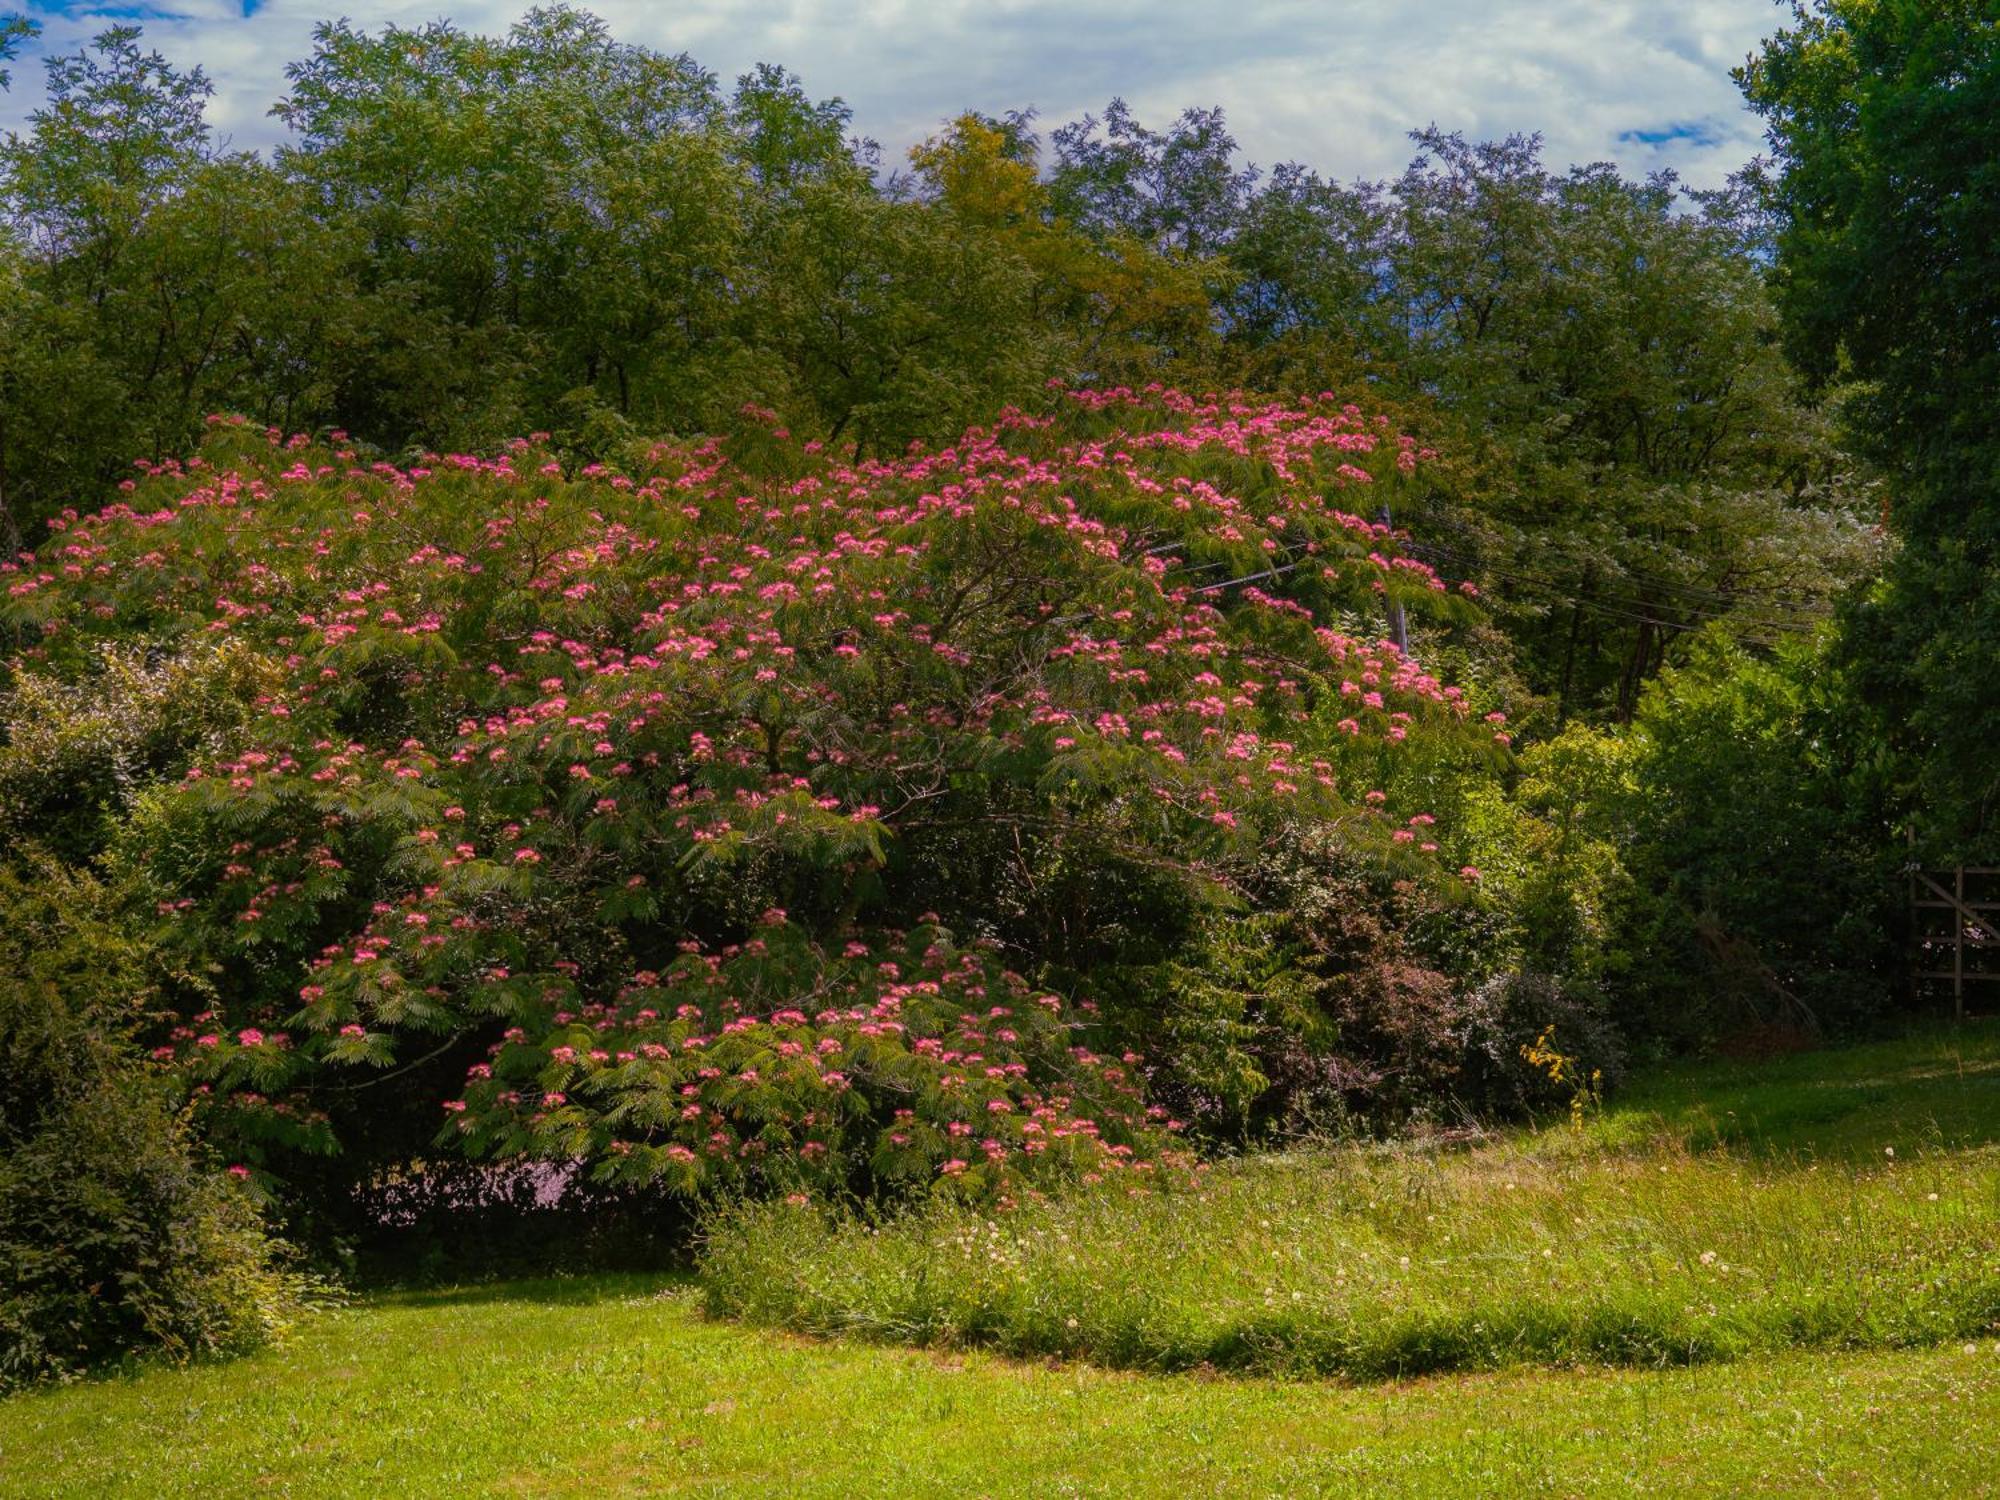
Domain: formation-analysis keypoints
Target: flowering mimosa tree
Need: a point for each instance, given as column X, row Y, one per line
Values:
column 675, row 818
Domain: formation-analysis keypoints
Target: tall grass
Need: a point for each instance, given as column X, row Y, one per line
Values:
column 1570, row 1247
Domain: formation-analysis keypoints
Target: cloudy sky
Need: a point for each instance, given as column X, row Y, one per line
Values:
column 1333, row 83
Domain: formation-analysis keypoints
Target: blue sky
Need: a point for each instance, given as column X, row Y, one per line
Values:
column 1335, row 84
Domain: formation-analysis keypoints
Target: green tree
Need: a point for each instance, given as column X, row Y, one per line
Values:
column 1310, row 294
column 538, row 213
column 1644, row 460
column 1884, row 119
column 1179, row 191
column 14, row 30
column 895, row 321
column 1114, row 308
column 154, row 279
column 120, row 131
column 1762, row 833
column 786, row 138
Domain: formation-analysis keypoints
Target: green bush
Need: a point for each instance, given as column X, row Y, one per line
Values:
column 1351, row 997
column 117, row 1236
column 75, row 753
column 1765, row 851
column 1550, row 848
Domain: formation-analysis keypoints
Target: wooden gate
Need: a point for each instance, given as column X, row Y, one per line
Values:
column 1955, row 936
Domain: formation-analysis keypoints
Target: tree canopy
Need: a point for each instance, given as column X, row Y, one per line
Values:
column 1887, row 197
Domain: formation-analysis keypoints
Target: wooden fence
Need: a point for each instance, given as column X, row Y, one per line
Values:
column 1955, row 935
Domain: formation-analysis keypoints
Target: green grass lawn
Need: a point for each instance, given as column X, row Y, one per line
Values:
column 614, row 1386
column 1937, row 1090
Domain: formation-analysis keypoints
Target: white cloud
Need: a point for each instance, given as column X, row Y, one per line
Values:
column 1333, row 83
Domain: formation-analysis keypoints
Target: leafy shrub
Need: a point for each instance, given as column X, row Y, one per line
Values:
column 1722, row 872
column 1550, row 843
column 1394, row 966
column 79, row 749
column 1354, row 997
column 117, row 1235
column 1515, row 1016
column 1764, row 849
column 117, row 1239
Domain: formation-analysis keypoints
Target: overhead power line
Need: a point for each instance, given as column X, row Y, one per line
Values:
column 1701, row 593
column 1755, row 620
column 1799, row 616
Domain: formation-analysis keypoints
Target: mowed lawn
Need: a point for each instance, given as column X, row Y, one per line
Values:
column 611, row 1386
column 614, row 1387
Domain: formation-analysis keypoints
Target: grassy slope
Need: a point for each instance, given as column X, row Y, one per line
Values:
column 606, row 1388
column 1858, row 1208
column 1935, row 1091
